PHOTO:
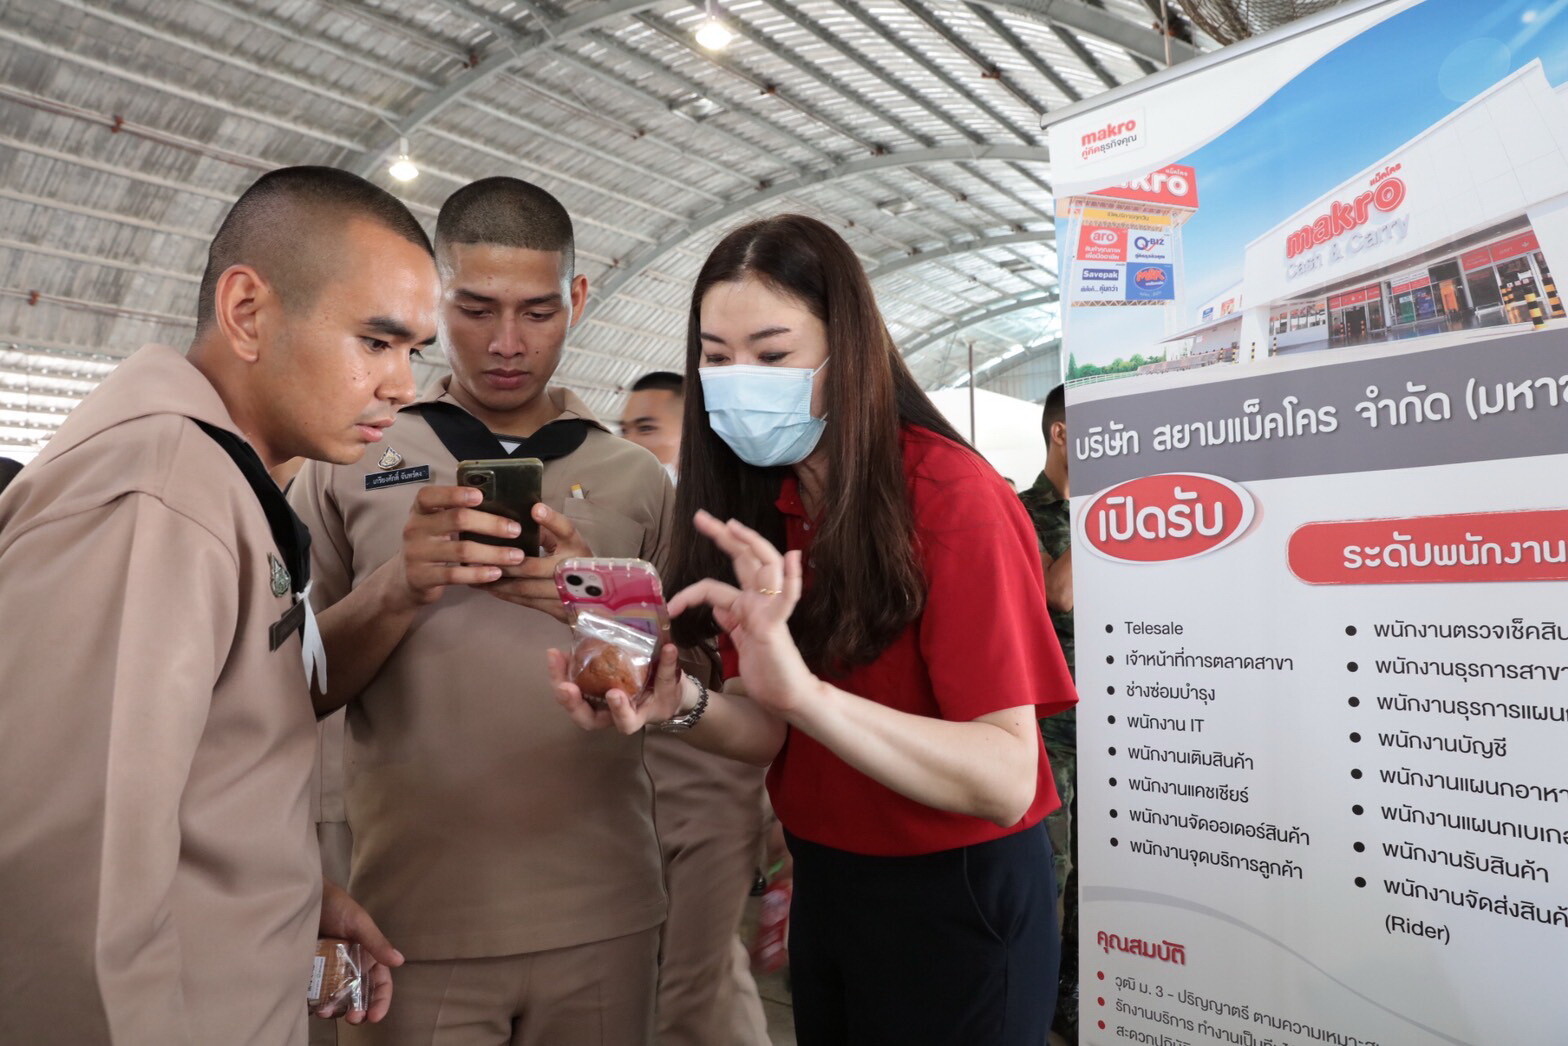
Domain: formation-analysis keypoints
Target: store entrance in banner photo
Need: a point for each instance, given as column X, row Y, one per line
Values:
column 1492, row 279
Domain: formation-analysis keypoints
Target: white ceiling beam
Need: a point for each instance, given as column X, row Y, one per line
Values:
column 981, row 314
column 904, row 158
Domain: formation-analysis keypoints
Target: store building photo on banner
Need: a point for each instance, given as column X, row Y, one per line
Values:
column 1410, row 182
column 1320, row 486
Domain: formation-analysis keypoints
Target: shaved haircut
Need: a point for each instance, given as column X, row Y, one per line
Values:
column 288, row 226
column 667, row 380
column 1055, row 410
column 507, row 212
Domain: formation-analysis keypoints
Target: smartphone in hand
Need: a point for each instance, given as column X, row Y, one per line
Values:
column 510, row 487
column 619, row 624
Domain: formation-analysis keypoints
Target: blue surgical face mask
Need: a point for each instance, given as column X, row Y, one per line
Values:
column 763, row 413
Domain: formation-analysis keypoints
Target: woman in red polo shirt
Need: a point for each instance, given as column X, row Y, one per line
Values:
column 882, row 590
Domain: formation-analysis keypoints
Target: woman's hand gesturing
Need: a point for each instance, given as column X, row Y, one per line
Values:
column 756, row 613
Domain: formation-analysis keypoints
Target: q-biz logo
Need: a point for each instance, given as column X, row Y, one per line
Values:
column 1149, row 243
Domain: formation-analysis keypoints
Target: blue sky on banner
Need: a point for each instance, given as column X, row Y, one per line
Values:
column 1339, row 115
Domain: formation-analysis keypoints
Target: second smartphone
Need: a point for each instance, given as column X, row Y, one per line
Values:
column 510, row 487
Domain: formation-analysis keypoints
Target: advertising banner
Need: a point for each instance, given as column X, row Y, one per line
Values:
column 1151, row 247
column 1321, row 588
column 1095, row 283
column 1102, row 243
column 1150, row 283
column 1124, row 257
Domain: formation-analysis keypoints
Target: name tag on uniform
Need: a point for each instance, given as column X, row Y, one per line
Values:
column 414, row 474
column 292, row 621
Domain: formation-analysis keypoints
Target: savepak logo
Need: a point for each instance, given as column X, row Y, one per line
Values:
column 1156, row 519
column 1119, row 135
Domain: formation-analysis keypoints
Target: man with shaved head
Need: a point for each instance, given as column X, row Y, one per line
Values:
column 159, row 879
column 511, row 856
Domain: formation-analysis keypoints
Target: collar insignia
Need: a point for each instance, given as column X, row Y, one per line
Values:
column 280, row 575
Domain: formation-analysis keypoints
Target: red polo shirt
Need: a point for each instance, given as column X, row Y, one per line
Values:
column 983, row 643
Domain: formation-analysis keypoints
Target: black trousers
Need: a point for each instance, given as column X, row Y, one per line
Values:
column 957, row 948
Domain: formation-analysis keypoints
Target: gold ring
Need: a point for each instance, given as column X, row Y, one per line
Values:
column 771, row 591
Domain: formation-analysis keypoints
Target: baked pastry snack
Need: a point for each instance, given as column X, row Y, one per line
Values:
column 337, row 978
column 603, row 667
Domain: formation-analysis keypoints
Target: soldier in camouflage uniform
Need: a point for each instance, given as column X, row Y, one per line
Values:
column 1046, row 503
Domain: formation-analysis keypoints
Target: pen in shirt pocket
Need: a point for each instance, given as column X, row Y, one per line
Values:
column 577, row 492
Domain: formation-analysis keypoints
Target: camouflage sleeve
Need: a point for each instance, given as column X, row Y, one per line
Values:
column 1052, row 525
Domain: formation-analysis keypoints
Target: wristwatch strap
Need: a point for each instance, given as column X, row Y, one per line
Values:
column 685, row 722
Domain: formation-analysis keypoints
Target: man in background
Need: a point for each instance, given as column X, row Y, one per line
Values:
column 652, row 417
column 709, row 812
column 1047, row 505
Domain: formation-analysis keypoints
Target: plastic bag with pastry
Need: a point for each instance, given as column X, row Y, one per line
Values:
column 608, row 655
column 338, row 979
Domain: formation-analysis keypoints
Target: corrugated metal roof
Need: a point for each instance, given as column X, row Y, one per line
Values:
column 128, row 126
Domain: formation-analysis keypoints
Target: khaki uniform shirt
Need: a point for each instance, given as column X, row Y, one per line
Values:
column 159, row 880
column 709, row 791
column 326, row 784
column 485, row 822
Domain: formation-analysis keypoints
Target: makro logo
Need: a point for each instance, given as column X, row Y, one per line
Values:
column 1149, row 279
column 1102, row 274
column 1110, row 130
column 1148, row 243
column 1115, row 136
column 1172, row 181
column 1156, row 519
column 1387, row 194
column 1103, row 237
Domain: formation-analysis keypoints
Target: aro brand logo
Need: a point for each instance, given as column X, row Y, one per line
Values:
column 1156, row 519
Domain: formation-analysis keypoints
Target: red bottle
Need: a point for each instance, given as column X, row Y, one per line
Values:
column 770, row 948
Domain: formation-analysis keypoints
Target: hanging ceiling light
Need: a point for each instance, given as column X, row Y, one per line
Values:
column 403, row 168
column 712, row 34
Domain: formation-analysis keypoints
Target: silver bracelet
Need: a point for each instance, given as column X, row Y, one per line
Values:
column 680, row 723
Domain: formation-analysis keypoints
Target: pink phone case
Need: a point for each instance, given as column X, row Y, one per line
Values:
column 626, row 590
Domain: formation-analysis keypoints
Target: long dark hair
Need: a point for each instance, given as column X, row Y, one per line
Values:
column 867, row 583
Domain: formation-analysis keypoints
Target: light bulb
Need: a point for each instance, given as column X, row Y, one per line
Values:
column 712, row 35
column 403, row 168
